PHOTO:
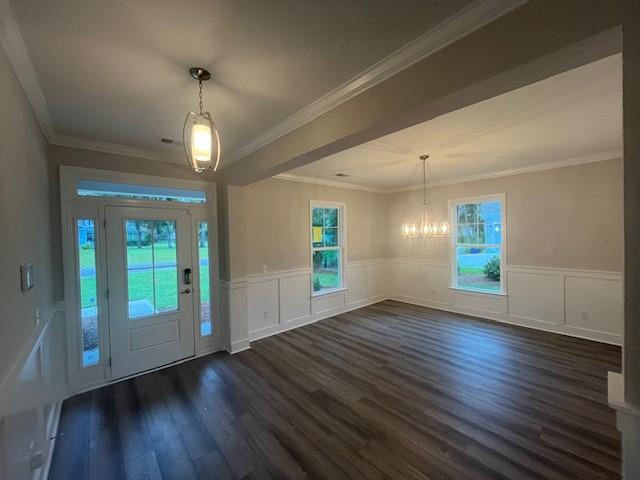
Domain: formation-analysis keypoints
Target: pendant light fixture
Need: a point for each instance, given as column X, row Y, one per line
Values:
column 426, row 228
column 200, row 135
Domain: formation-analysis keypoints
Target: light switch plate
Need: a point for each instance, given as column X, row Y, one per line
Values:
column 26, row 276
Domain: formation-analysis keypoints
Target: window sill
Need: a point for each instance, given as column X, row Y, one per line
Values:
column 478, row 292
column 328, row 292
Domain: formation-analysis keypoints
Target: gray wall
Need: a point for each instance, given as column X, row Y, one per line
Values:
column 567, row 217
column 25, row 220
column 269, row 224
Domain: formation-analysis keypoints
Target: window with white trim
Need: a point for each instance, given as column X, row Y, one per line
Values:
column 478, row 244
column 327, row 250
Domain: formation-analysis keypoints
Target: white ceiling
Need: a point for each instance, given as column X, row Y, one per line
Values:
column 570, row 118
column 116, row 71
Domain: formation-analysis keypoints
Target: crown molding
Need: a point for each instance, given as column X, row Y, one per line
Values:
column 115, row 148
column 473, row 17
column 13, row 44
column 328, row 183
column 568, row 162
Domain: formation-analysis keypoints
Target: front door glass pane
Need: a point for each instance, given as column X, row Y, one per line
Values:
column 152, row 270
column 165, row 266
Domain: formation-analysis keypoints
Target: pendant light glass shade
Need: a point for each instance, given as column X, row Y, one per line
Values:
column 201, row 142
column 199, row 134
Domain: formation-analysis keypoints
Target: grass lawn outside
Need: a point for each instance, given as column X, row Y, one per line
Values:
column 141, row 281
column 474, row 277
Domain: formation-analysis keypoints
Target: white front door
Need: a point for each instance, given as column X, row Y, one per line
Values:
column 150, row 302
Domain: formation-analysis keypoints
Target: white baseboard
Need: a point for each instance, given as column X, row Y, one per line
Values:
column 239, row 346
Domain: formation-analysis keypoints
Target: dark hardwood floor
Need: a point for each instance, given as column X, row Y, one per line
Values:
column 388, row 391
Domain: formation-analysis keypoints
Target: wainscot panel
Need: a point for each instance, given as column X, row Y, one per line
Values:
column 290, row 291
column 30, row 400
column 582, row 303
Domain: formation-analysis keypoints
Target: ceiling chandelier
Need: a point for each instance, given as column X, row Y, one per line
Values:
column 200, row 135
column 426, row 228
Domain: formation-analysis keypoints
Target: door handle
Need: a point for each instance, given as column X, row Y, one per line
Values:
column 188, row 290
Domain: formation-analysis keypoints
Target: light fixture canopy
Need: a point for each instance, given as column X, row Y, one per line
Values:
column 199, row 134
column 426, row 228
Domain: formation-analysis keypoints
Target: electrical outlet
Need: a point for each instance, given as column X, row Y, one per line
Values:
column 265, row 315
column 265, row 268
column 585, row 315
column 37, row 317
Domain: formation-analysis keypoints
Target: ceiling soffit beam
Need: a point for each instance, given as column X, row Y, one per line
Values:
column 538, row 40
column 476, row 15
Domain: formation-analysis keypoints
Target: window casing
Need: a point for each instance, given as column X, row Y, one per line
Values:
column 327, row 247
column 478, row 244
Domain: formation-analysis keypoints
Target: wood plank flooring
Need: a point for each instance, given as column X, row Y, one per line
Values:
column 387, row 391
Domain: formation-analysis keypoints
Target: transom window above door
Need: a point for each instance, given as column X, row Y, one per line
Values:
column 478, row 244
column 327, row 250
column 98, row 188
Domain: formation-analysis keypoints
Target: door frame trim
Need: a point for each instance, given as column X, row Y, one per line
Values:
column 72, row 206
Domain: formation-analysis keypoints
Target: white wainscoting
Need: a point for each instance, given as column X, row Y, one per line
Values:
column 582, row 303
column 30, row 400
column 282, row 300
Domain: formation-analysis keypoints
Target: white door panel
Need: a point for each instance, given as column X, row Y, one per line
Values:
column 150, row 306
